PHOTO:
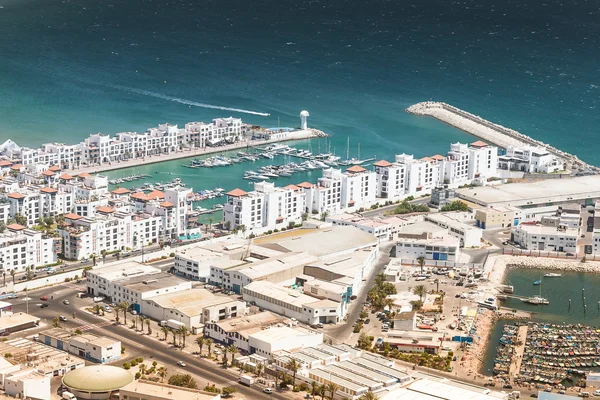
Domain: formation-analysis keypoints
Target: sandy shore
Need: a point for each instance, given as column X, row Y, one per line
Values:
column 187, row 153
column 473, row 357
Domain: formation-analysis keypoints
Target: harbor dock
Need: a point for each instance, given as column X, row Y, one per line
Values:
column 497, row 134
column 197, row 152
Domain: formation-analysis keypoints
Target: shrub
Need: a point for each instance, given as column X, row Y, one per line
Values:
column 296, row 389
column 172, row 255
column 138, row 375
column 7, row 355
column 252, row 236
column 283, row 385
column 122, row 349
column 68, row 279
column 163, row 257
column 269, row 232
column 126, row 366
column 139, row 360
column 79, row 332
column 212, row 389
column 275, row 230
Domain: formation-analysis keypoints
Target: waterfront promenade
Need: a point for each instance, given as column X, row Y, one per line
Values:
column 489, row 131
column 196, row 152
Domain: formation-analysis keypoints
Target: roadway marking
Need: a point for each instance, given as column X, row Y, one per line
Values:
column 94, row 326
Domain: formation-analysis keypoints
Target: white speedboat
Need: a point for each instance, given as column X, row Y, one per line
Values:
column 552, row 275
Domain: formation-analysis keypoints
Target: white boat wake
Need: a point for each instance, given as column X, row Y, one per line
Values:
column 184, row 101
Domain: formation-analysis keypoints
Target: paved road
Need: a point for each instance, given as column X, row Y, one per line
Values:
column 137, row 345
column 342, row 332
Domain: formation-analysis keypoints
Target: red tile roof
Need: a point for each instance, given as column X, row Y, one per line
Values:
column 84, row 175
column 382, row 163
column 236, row 193
column 5, row 163
column 66, row 177
column 139, row 196
column 48, row 190
column 438, row 157
column 72, row 216
column 16, row 167
column 292, row 187
column 156, row 194
column 105, row 210
column 305, row 185
column 166, row 204
column 48, row 173
column 355, row 169
column 121, row 191
column 15, row 195
column 479, row 143
column 15, row 227
column 55, row 168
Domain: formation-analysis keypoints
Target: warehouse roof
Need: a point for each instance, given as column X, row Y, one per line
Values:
column 190, row 302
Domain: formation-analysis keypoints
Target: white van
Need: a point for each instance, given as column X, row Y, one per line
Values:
column 68, row 396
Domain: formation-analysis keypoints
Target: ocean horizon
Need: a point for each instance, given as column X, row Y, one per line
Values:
column 72, row 68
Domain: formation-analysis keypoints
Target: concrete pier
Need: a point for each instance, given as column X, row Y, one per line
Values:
column 489, row 131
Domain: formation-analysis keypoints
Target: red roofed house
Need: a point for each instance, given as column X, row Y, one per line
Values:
column 105, row 210
column 15, row 227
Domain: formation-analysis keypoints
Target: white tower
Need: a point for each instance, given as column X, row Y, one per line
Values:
column 303, row 115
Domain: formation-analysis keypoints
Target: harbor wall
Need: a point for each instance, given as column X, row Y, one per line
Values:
column 489, row 131
column 198, row 152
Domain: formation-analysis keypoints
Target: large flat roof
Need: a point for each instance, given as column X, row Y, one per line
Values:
column 123, row 269
column 144, row 283
column 273, row 265
column 532, row 193
column 190, row 302
column 283, row 294
column 164, row 391
column 321, row 242
column 278, row 333
column 249, row 322
column 16, row 320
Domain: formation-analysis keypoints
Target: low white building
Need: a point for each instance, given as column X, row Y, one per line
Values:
column 381, row 229
column 269, row 341
column 192, row 307
column 237, row 330
column 459, row 225
column 27, row 384
column 530, row 159
column 99, row 279
column 97, row 349
column 445, row 248
column 292, row 303
column 194, row 263
column 545, row 238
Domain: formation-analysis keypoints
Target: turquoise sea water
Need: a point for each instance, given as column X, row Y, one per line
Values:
column 70, row 68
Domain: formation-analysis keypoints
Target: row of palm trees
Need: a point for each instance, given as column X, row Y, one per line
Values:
column 202, row 341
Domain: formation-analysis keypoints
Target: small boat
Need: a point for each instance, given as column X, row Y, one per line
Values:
column 537, row 282
column 552, row 275
column 536, row 300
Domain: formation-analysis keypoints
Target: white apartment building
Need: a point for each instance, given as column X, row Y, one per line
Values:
column 534, row 236
column 530, row 159
column 431, row 248
column 265, row 208
column 391, row 179
column 199, row 134
column 292, row 303
column 21, row 248
column 459, row 225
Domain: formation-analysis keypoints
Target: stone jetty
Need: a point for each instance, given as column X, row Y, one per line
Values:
column 491, row 132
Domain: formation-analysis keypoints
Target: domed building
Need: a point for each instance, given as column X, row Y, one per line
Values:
column 96, row 382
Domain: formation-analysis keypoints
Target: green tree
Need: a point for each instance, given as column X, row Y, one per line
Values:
column 420, row 290
column 293, row 366
column 209, row 342
column 227, row 391
column 12, row 273
column 183, row 380
column 165, row 330
column 2, row 226
column 369, row 396
column 322, row 391
column 124, row 306
column 314, row 388
column 259, row 369
column 20, row 219
column 233, row 351
column 183, row 332
column 225, row 349
column 56, row 322
column 174, row 332
column 332, row 388
column 456, row 205
column 200, row 343
column 162, row 372
column 421, row 262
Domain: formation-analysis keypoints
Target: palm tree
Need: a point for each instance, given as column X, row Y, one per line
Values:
column 332, row 388
column 200, row 343
column 209, row 342
column 12, row 273
column 210, row 222
column 148, row 325
column 369, row 396
column 225, row 349
column 174, row 338
column 293, row 366
column 142, row 321
column 259, row 370
column 162, row 372
column 379, row 279
column 389, row 303
column 437, row 285
column 421, row 262
column 183, row 331
column 142, row 370
column 420, row 290
column 322, row 391
column 56, row 322
column 124, row 306
column 165, row 330
column 97, row 309
column 314, row 388
column 233, row 351
column 4, row 276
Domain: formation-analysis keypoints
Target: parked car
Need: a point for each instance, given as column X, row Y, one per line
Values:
column 367, row 321
column 44, row 298
column 570, row 254
column 66, row 302
column 268, row 390
column 181, row 363
column 62, row 318
column 44, row 305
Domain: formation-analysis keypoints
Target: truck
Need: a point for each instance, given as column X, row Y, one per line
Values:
column 246, row 380
column 173, row 324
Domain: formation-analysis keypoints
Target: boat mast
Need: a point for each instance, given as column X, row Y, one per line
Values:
column 348, row 149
